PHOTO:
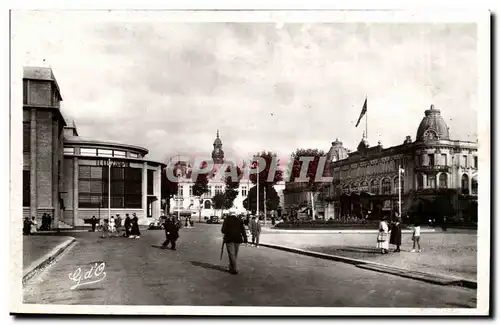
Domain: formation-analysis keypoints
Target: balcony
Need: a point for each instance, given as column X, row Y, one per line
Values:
column 434, row 169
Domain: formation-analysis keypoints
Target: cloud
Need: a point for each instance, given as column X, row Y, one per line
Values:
column 170, row 86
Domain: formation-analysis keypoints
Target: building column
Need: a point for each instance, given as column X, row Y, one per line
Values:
column 145, row 189
column 157, row 192
column 469, row 174
column 424, row 177
column 33, row 154
column 55, row 173
column 75, row 189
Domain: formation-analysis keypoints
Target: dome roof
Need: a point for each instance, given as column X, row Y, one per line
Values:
column 337, row 151
column 217, row 141
column 433, row 126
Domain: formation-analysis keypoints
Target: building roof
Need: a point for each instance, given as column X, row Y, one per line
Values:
column 93, row 142
column 41, row 73
column 432, row 126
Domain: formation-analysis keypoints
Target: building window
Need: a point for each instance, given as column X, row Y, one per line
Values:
column 396, row 185
column 443, row 180
column 25, row 92
column 475, row 162
column 69, row 151
column 431, row 159
column 244, row 191
column 126, row 187
column 374, row 187
column 431, row 181
column 88, row 152
column 150, row 182
column 118, row 153
column 133, row 155
column 386, row 186
column 105, row 153
column 218, row 189
column 464, row 160
column 465, row 184
column 180, row 190
column 474, row 185
column 444, row 160
column 26, row 137
column 190, row 190
column 420, row 181
column 26, row 188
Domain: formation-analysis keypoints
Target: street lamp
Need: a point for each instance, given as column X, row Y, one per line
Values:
column 400, row 171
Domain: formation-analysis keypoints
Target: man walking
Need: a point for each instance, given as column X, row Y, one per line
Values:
column 127, row 225
column 93, row 222
column 171, row 233
column 255, row 229
column 234, row 234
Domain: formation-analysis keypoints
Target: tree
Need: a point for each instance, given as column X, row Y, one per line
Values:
column 271, row 168
column 232, row 185
column 272, row 200
column 219, row 202
column 200, row 187
column 313, row 170
column 168, row 188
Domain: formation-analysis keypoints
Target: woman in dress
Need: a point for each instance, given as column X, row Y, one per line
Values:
column 135, row 233
column 383, row 236
column 396, row 233
column 33, row 225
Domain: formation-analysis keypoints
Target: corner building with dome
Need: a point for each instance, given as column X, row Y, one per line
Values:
column 435, row 167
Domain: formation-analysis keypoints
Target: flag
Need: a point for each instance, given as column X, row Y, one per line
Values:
column 363, row 112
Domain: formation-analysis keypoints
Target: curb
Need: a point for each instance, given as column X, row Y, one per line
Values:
column 416, row 275
column 46, row 259
column 345, row 231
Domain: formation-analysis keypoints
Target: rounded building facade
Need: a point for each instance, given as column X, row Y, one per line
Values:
column 108, row 178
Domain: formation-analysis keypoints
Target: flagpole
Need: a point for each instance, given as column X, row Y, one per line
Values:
column 366, row 120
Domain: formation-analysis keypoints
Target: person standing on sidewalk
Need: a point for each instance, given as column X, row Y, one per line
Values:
column 127, row 225
column 383, row 234
column 396, row 233
column 118, row 225
column 93, row 222
column 135, row 233
column 33, row 225
column 27, row 226
column 234, row 234
column 255, row 229
column 171, row 233
column 105, row 228
column 416, row 237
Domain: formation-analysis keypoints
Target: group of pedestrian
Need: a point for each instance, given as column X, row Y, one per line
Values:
column 394, row 230
column 112, row 227
column 29, row 226
column 46, row 222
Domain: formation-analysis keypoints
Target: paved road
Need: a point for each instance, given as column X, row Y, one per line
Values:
column 139, row 274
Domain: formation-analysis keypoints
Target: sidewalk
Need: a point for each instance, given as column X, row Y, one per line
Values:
column 39, row 250
column 442, row 254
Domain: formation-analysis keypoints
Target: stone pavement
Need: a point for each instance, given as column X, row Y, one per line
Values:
column 140, row 273
column 443, row 253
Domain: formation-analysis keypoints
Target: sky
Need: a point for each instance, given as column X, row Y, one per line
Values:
column 169, row 86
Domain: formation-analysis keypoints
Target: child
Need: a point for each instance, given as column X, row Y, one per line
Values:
column 416, row 236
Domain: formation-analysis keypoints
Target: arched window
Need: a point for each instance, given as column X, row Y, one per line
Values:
column 431, row 181
column 465, row 184
column 396, row 185
column 474, row 185
column 207, row 204
column 420, row 181
column 443, row 180
column 386, row 186
column 363, row 186
column 374, row 186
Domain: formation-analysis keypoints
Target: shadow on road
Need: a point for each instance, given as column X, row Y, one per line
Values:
column 210, row 266
column 157, row 246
